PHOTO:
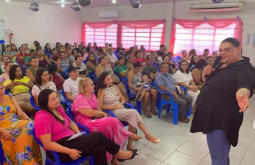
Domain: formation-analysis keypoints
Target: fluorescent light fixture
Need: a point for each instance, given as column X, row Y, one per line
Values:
column 62, row 0
column 63, row 5
column 7, row 0
column 113, row 1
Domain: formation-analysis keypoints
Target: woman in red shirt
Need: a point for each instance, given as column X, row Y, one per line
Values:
column 138, row 55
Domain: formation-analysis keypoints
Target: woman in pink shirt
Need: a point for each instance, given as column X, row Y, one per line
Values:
column 139, row 55
column 53, row 128
column 88, row 113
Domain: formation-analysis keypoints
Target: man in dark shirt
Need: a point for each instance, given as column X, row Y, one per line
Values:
column 223, row 99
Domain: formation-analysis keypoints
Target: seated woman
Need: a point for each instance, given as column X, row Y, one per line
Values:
column 43, row 59
column 56, row 78
column 53, row 128
column 16, row 133
column 110, row 98
column 63, row 63
column 31, row 71
column 55, row 56
column 139, row 57
column 193, row 62
column 5, row 76
column 185, row 79
column 73, row 56
column 19, row 86
column 80, row 66
column 48, row 51
column 209, row 60
column 88, row 113
column 171, row 61
column 5, row 59
column 166, row 60
column 197, row 72
column 42, row 82
column 91, row 63
column 185, row 56
column 121, row 69
column 105, row 67
column 130, row 61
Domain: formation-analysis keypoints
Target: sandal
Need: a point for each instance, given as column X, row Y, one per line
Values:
column 154, row 112
column 147, row 115
column 132, row 157
column 137, row 153
column 139, row 99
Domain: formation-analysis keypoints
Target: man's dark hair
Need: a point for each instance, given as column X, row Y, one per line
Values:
column 233, row 41
column 161, row 46
column 161, row 65
column 137, row 64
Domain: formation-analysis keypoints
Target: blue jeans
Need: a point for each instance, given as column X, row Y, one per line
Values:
column 219, row 147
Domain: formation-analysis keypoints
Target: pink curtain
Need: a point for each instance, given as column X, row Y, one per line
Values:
column 140, row 24
column 98, row 25
column 217, row 23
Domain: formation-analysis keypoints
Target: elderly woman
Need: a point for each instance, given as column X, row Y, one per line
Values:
column 185, row 79
column 53, row 128
column 88, row 113
column 110, row 98
column 16, row 133
column 105, row 67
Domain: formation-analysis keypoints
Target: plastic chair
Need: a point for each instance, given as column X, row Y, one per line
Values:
column 2, row 158
column 56, row 156
column 85, row 61
column 67, row 101
column 126, row 105
column 121, row 78
column 161, row 103
column 7, row 92
column 130, row 96
column 116, row 54
column 23, row 70
column 178, row 58
column 80, row 126
column 32, row 102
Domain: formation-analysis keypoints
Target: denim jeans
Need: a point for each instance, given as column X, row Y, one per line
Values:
column 219, row 147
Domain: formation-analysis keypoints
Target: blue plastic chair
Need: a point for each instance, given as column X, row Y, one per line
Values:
column 2, row 158
column 161, row 103
column 130, row 96
column 116, row 54
column 121, row 78
column 85, row 61
column 32, row 102
column 23, row 70
column 178, row 58
column 80, row 126
column 126, row 105
column 57, row 160
column 7, row 91
column 67, row 101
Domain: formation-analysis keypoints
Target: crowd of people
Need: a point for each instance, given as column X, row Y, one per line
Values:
column 92, row 78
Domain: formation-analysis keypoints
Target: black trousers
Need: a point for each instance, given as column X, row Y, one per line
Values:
column 94, row 144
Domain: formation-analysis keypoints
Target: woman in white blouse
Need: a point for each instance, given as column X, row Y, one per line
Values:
column 42, row 82
column 185, row 79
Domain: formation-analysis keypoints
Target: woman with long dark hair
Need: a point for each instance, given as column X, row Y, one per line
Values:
column 42, row 82
column 91, row 63
column 53, row 127
column 193, row 62
column 43, row 59
column 19, row 86
column 110, row 98
column 48, row 51
column 197, row 72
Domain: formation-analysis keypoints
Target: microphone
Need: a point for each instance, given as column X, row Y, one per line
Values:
column 216, row 64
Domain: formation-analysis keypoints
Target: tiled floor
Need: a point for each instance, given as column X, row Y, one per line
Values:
column 179, row 147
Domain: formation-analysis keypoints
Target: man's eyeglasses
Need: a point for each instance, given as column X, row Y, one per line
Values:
column 226, row 50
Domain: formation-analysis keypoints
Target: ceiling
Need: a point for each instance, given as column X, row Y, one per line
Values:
column 95, row 3
column 103, row 3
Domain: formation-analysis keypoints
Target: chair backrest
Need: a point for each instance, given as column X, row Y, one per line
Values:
column 126, row 85
column 37, row 140
column 7, row 91
column 64, row 95
column 1, row 155
column 116, row 54
column 159, row 90
column 32, row 102
column 84, row 61
column 178, row 58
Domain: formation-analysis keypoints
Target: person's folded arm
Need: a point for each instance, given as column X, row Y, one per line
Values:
column 69, row 96
column 29, row 84
column 101, row 94
column 130, row 79
column 123, row 74
column 91, row 66
column 163, row 88
column 90, row 112
column 74, row 127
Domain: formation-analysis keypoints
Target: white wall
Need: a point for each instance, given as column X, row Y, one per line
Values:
column 179, row 10
column 49, row 24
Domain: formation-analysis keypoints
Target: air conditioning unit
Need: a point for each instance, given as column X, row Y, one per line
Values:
column 108, row 14
column 218, row 7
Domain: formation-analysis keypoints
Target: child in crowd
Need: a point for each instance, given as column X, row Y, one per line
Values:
column 28, row 58
column 145, row 86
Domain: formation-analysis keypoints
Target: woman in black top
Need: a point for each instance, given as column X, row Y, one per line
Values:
column 223, row 99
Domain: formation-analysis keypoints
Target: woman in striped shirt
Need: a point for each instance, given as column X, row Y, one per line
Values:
column 110, row 98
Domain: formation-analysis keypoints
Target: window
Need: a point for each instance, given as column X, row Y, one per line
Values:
column 200, row 38
column 149, row 37
column 102, row 35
